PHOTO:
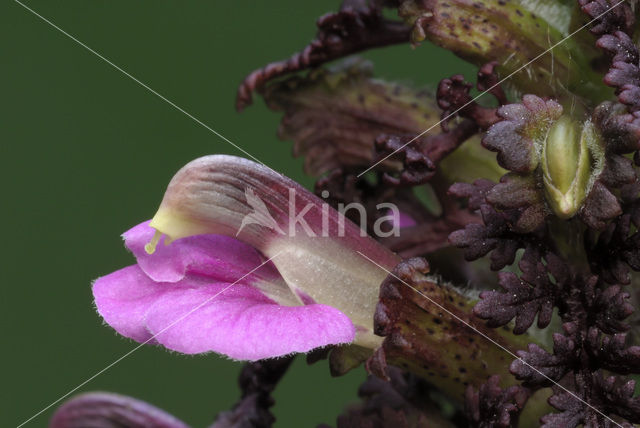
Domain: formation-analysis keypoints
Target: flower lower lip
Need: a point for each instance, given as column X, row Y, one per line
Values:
column 213, row 293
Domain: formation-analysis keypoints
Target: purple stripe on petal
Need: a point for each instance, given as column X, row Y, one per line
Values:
column 243, row 324
column 104, row 410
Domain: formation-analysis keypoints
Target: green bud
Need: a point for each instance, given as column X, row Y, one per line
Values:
column 567, row 165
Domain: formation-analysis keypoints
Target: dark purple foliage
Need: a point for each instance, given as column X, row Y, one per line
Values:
column 537, row 367
column 356, row 27
column 492, row 406
column 454, row 97
column 533, row 293
column 257, row 381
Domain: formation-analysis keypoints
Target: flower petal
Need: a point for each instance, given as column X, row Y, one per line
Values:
column 106, row 410
column 123, row 298
column 242, row 323
column 217, row 256
column 322, row 254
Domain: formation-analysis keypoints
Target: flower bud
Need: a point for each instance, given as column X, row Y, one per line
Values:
column 566, row 165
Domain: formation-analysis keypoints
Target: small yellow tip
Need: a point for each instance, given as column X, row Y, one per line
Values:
column 150, row 248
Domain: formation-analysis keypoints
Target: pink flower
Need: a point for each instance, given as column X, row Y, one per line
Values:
column 144, row 301
column 213, row 293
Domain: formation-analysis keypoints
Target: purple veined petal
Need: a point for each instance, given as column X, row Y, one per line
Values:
column 242, row 323
column 232, row 196
column 123, row 298
column 217, row 256
column 105, row 410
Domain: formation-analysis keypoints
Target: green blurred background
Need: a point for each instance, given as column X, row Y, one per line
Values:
column 86, row 153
